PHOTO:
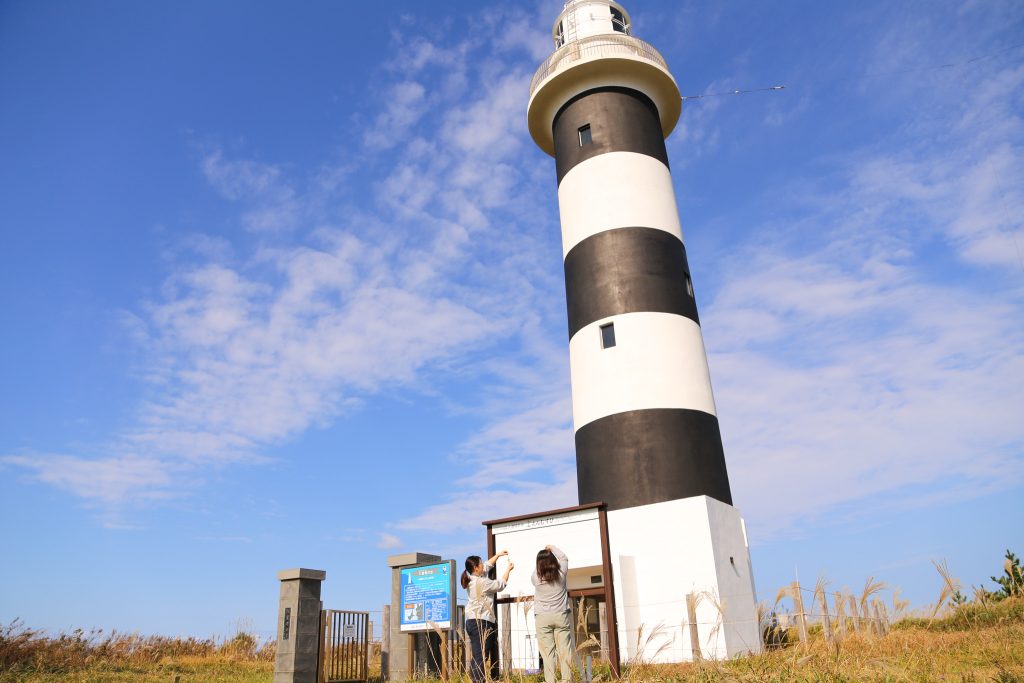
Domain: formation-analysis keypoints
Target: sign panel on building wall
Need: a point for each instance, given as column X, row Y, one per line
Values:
column 428, row 596
column 577, row 533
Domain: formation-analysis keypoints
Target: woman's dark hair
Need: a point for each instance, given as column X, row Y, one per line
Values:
column 472, row 562
column 548, row 566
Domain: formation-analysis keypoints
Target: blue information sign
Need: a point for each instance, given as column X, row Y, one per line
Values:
column 428, row 593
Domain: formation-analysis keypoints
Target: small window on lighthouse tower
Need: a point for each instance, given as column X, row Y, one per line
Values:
column 619, row 22
column 585, row 137
column 608, row 336
column 689, row 286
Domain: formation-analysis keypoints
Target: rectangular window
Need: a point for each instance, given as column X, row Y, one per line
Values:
column 608, row 336
column 689, row 286
column 585, row 138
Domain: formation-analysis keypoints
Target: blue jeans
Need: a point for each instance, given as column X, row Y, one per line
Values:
column 483, row 641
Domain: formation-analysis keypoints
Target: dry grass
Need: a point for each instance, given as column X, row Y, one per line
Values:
column 30, row 655
column 972, row 643
column 957, row 648
column 950, row 586
column 871, row 588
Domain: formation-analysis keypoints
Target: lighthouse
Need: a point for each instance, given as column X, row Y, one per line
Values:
column 648, row 444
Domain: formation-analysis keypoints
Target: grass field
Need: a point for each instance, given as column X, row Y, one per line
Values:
column 971, row 643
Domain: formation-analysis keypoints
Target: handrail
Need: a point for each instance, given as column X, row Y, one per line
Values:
column 604, row 45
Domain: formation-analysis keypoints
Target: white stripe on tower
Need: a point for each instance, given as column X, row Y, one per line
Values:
column 623, row 178
column 657, row 362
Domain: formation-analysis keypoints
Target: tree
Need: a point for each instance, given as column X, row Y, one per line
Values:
column 1011, row 584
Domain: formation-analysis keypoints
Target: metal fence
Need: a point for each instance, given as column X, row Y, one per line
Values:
column 345, row 647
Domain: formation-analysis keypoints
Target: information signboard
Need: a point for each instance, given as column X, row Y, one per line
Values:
column 428, row 596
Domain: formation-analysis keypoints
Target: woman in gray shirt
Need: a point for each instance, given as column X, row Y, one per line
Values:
column 552, row 613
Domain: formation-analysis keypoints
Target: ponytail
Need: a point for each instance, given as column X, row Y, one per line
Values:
column 472, row 562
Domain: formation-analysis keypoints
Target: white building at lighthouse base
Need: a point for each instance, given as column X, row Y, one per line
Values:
column 682, row 584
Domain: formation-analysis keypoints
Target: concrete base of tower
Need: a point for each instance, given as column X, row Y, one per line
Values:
column 664, row 552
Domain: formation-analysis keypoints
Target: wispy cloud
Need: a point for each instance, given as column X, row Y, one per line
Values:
column 839, row 401
column 225, row 539
column 272, row 204
column 403, row 106
column 245, row 349
column 388, row 541
column 106, row 481
column 243, row 358
column 847, row 365
column 866, row 351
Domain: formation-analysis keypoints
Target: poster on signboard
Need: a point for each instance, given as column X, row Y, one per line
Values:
column 428, row 596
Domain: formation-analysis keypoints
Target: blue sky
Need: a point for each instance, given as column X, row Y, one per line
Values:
column 281, row 286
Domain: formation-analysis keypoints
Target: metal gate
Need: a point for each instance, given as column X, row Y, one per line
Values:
column 344, row 646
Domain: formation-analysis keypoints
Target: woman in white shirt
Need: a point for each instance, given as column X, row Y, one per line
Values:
column 480, row 622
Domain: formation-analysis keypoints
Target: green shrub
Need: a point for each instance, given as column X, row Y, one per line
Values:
column 1011, row 583
column 970, row 616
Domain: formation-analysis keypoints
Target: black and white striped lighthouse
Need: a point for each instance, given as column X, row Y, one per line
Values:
column 647, row 436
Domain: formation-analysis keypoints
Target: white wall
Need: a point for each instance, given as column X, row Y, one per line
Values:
column 664, row 551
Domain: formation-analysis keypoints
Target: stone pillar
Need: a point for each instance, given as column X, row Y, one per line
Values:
column 400, row 655
column 298, row 626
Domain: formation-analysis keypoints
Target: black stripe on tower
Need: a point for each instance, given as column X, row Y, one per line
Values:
column 620, row 120
column 627, row 270
column 650, row 456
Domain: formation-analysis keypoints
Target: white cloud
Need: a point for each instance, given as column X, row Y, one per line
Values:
column 272, row 203
column 244, row 358
column 251, row 361
column 404, row 106
column 238, row 179
column 244, row 354
column 225, row 539
column 846, row 368
column 519, row 32
column 388, row 541
column 105, row 481
column 915, row 389
column 465, row 511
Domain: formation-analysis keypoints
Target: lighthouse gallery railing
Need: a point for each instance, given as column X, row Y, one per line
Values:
column 593, row 47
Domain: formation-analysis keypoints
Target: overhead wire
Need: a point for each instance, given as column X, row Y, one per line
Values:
column 733, row 92
column 935, row 67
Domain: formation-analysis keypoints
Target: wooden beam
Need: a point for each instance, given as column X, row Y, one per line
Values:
column 609, row 592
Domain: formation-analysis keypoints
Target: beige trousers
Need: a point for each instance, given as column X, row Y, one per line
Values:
column 555, row 642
